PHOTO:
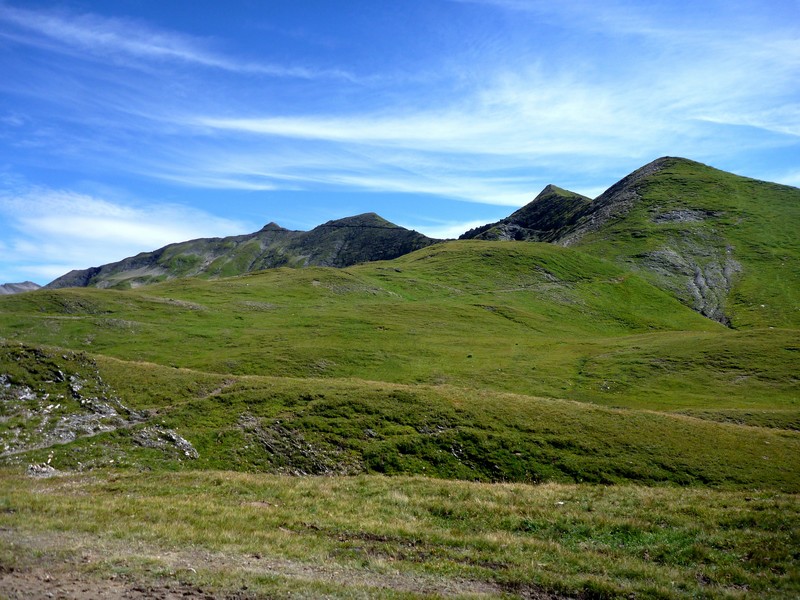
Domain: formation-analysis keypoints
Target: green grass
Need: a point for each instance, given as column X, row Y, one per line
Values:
column 590, row 541
column 518, row 317
column 480, row 362
column 749, row 221
column 346, row 426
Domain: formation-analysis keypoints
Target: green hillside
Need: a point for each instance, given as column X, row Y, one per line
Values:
column 459, row 319
column 474, row 418
column 517, row 317
column 724, row 244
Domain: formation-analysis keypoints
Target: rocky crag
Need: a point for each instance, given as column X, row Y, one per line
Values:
column 50, row 398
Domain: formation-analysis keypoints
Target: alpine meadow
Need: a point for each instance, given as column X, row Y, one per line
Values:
column 587, row 399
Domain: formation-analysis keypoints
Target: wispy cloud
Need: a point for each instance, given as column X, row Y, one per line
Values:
column 632, row 83
column 105, row 38
column 670, row 99
column 49, row 232
column 493, row 147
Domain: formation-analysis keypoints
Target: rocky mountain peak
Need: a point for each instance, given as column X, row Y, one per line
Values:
column 338, row 243
column 541, row 220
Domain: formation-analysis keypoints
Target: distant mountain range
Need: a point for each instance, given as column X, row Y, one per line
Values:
column 17, row 288
column 723, row 244
column 340, row 243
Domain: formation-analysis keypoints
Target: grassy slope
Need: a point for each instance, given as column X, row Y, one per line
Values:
column 519, row 317
column 753, row 222
column 333, row 426
column 435, row 363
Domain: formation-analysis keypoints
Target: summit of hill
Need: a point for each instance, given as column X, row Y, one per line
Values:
column 723, row 244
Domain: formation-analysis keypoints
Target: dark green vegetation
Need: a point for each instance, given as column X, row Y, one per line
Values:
column 546, row 219
column 337, row 243
column 179, row 418
column 586, row 370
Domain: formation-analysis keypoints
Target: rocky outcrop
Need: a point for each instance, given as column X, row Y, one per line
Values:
column 61, row 398
column 699, row 274
column 51, row 398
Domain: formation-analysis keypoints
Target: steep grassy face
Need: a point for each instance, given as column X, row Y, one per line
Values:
column 725, row 245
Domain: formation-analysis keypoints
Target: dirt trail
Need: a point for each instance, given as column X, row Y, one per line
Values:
column 74, row 567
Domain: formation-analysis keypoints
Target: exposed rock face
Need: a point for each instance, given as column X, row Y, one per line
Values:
column 49, row 398
column 166, row 440
column 699, row 275
column 338, row 243
column 66, row 401
column 686, row 215
column 18, row 288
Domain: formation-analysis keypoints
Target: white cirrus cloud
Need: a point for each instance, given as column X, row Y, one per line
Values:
column 103, row 37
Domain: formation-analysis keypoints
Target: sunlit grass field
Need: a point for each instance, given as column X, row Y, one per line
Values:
column 475, row 418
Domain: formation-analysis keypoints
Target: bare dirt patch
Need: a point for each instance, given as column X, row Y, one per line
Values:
column 40, row 583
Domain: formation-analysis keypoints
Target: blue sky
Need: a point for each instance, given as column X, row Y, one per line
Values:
column 130, row 124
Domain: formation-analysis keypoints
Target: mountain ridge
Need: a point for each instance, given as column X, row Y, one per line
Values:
column 540, row 220
column 720, row 243
column 18, row 288
column 704, row 235
column 336, row 243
